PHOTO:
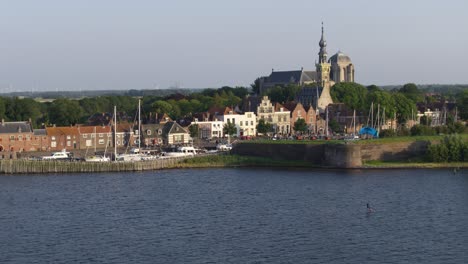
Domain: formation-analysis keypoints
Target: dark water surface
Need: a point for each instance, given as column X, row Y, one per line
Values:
column 236, row 216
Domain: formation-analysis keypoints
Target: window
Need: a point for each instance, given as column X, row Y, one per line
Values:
column 101, row 141
column 68, row 137
column 20, row 137
column 241, row 123
column 53, row 144
column 89, row 143
column 159, row 131
column 12, row 137
column 85, row 135
column 53, row 137
column 148, row 132
column 68, row 143
column 251, row 123
column 28, row 137
column 101, row 135
column 92, row 135
column 178, row 139
column 249, row 115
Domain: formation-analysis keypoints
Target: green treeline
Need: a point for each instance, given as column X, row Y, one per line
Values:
column 400, row 102
column 65, row 111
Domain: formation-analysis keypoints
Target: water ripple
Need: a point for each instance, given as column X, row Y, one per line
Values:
column 236, row 216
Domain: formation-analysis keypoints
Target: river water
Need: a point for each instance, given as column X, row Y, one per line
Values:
column 236, row 216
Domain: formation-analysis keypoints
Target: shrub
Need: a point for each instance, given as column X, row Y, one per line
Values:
column 386, row 133
column 450, row 149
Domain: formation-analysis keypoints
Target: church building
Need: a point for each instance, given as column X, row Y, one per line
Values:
column 338, row 68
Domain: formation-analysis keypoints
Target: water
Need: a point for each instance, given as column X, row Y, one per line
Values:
column 236, row 216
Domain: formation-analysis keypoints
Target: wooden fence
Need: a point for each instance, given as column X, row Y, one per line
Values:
column 49, row 166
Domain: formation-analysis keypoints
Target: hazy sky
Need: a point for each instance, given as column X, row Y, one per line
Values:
column 112, row 44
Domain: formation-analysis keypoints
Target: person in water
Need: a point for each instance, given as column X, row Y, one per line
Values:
column 369, row 209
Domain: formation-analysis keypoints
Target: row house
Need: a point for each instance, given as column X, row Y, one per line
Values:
column 298, row 111
column 126, row 135
column 277, row 115
column 88, row 137
column 246, row 123
column 63, row 138
column 209, row 126
column 95, row 137
column 167, row 133
column 18, row 137
column 209, row 129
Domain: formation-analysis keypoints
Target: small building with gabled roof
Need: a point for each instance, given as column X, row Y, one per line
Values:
column 17, row 136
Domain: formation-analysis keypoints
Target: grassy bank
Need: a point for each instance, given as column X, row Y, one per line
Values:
column 223, row 161
column 423, row 165
column 376, row 141
column 239, row 161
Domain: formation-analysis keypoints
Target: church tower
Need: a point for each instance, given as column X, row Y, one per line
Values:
column 323, row 75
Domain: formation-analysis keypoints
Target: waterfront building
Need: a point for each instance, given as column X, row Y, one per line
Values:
column 18, row 137
column 166, row 133
column 298, row 111
column 246, row 123
column 63, row 138
column 276, row 114
column 209, row 129
column 95, row 137
column 126, row 135
column 41, row 141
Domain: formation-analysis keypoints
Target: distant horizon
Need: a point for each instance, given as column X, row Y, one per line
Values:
column 118, row 45
column 197, row 88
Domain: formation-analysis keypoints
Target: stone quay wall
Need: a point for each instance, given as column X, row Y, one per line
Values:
column 335, row 155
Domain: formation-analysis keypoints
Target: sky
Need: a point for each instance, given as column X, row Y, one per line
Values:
column 142, row 44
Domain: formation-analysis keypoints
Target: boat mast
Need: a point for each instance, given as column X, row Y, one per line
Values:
column 95, row 140
column 354, row 123
column 115, row 132
column 326, row 127
column 139, row 124
column 378, row 119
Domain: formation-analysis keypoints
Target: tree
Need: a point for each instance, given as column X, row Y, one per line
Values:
column 411, row 91
column 193, row 129
column 256, row 85
column 382, row 98
column 462, row 104
column 276, row 94
column 194, row 132
column 404, row 107
column 264, row 127
column 353, row 95
column 229, row 129
column 334, row 126
column 65, row 112
column 300, row 125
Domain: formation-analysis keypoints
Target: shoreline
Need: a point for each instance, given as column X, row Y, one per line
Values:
column 22, row 167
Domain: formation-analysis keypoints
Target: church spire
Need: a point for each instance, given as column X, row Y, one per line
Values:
column 323, row 48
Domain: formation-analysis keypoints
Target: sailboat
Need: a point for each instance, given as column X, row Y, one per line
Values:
column 370, row 131
column 98, row 158
column 353, row 124
column 135, row 154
